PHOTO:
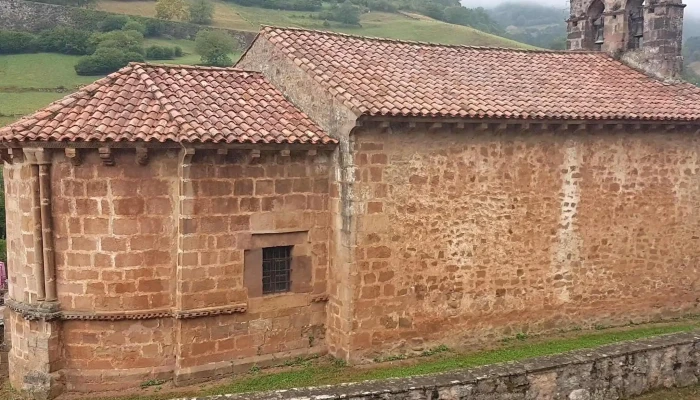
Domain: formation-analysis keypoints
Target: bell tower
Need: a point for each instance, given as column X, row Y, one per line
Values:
column 647, row 34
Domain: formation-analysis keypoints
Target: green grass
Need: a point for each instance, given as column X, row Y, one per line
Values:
column 690, row 393
column 190, row 57
column 426, row 30
column 388, row 25
column 41, row 70
column 29, row 82
column 18, row 104
column 6, row 120
column 326, row 372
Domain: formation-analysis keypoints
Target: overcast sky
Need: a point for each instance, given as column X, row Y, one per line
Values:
column 693, row 5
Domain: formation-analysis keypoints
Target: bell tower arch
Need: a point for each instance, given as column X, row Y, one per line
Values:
column 648, row 34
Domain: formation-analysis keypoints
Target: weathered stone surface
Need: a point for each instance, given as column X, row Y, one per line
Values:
column 660, row 51
column 482, row 238
column 139, row 244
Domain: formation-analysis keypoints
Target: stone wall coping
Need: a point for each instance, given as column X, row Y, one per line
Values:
column 374, row 389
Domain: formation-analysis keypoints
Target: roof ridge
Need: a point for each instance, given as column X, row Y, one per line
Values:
column 154, row 90
column 192, row 67
column 266, row 28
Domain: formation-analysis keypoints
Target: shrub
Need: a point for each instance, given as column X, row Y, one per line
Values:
column 434, row 11
column 346, row 13
column 171, row 9
column 160, row 53
column 201, row 12
column 12, row 42
column 74, row 3
column 177, row 51
column 128, row 41
column 66, row 41
column 134, row 26
column 113, row 23
column 154, row 27
column 294, row 5
column 214, row 48
column 105, row 60
column 381, row 5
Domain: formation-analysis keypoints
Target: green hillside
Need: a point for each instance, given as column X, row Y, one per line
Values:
column 379, row 24
column 29, row 82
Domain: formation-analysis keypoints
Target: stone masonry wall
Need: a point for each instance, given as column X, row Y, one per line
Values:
column 115, row 235
column 336, row 119
column 30, row 16
column 115, row 232
column 465, row 236
column 152, row 267
column 619, row 371
column 20, row 232
column 226, row 206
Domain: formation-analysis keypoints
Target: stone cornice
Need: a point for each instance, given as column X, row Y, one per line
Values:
column 50, row 312
column 207, row 312
column 35, row 312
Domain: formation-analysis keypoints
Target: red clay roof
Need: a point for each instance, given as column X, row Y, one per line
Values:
column 389, row 77
column 162, row 103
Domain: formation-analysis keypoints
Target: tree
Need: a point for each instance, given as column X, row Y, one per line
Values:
column 346, row 13
column 214, row 48
column 201, row 12
column 171, row 9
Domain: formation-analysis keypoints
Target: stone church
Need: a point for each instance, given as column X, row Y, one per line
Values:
column 352, row 196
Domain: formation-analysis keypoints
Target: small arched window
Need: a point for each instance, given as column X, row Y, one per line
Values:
column 597, row 24
column 635, row 24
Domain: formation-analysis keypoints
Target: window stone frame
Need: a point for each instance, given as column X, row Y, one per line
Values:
column 301, row 267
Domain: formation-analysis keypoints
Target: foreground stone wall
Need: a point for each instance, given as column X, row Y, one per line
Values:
column 620, row 371
column 464, row 236
column 33, row 17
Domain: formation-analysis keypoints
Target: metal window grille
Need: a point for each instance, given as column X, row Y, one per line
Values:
column 277, row 269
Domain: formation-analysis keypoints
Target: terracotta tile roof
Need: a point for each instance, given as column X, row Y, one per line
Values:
column 388, row 77
column 143, row 102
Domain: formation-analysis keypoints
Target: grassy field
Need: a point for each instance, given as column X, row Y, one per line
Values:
column 691, row 393
column 29, row 82
column 695, row 67
column 395, row 26
column 327, row 371
column 42, row 70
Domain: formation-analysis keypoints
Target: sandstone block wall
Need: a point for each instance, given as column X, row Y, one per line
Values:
column 465, row 236
column 151, row 261
column 334, row 117
column 20, row 232
column 115, row 232
column 225, row 209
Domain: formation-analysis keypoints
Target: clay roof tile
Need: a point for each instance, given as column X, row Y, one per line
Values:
column 389, row 77
column 161, row 103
